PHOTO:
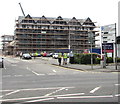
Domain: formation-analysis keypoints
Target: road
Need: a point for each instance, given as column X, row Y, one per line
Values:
column 36, row 80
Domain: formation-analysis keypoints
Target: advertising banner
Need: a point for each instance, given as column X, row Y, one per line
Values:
column 107, row 47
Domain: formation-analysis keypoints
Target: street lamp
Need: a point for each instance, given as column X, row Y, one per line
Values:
column 115, row 49
column 90, row 36
column 104, row 66
column 69, row 38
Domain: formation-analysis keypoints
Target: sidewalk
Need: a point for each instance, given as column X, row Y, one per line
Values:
column 96, row 68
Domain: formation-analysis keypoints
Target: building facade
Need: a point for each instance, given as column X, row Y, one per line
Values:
column 7, row 47
column 108, row 35
column 39, row 34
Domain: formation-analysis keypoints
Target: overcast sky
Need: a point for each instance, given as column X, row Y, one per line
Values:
column 103, row 12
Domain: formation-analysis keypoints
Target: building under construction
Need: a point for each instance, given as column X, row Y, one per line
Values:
column 39, row 34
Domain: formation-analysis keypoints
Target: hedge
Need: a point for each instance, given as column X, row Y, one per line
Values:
column 86, row 58
column 80, row 58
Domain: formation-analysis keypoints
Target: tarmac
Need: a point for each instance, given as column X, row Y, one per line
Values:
column 82, row 67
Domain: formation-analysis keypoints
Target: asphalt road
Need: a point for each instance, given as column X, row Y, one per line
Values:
column 29, row 81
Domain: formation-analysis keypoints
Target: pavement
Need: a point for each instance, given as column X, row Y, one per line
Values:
column 96, row 68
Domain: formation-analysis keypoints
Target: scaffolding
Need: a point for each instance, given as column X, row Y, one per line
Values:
column 39, row 34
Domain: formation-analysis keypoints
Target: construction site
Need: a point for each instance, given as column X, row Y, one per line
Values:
column 49, row 34
column 39, row 34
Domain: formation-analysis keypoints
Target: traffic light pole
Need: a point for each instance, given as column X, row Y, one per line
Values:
column 91, row 56
column 115, row 49
column 90, row 35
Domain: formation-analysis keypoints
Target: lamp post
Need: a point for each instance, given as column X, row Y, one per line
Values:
column 69, row 38
column 115, row 49
column 90, row 36
column 104, row 66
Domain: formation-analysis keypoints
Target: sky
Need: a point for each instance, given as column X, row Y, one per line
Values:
column 103, row 12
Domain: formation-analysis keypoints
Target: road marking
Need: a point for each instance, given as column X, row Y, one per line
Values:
column 18, row 75
column 58, row 97
column 32, row 71
column 54, row 71
column 42, row 74
column 70, row 94
column 6, row 90
column 5, row 68
column 18, row 99
column 27, row 68
column 35, row 73
column 51, row 74
column 11, row 93
column 55, row 91
column 95, row 89
column 85, row 97
column 15, row 91
column 117, row 95
column 117, row 84
column 37, row 89
column 40, row 100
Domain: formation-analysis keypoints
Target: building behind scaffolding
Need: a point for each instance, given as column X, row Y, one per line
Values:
column 39, row 34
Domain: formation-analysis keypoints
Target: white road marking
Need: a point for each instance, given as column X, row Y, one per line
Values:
column 27, row 68
column 117, row 84
column 117, row 95
column 51, row 74
column 35, row 73
column 55, row 91
column 40, row 100
column 6, row 90
column 5, row 68
column 11, row 92
column 71, row 94
column 42, row 74
column 54, row 71
column 18, row 75
column 32, row 71
column 95, row 89
column 28, row 98
column 1, row 96
column 85, row 97
column 15, row 91
column 37, row 89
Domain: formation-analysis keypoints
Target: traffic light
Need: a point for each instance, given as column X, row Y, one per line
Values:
column 118, row 40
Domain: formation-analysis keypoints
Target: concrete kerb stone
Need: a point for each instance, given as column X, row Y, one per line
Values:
column 92, row 70
column 68, row 67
